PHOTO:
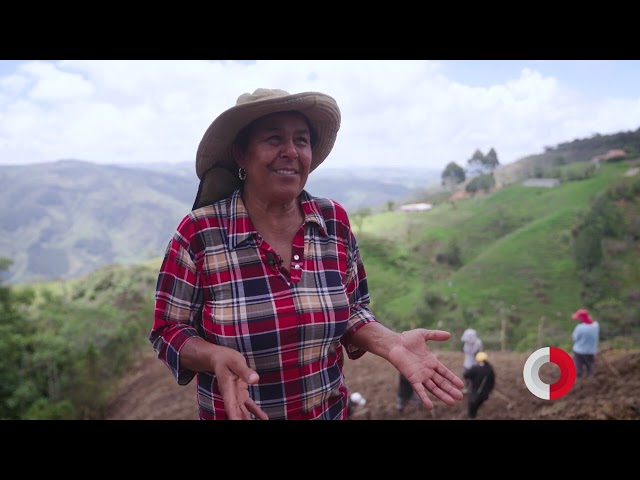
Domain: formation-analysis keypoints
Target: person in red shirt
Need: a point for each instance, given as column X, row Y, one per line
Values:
column 262, row 293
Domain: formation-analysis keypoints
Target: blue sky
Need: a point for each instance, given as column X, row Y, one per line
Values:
column 414, row 113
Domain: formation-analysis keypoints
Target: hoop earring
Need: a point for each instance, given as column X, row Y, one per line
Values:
column 242, row 173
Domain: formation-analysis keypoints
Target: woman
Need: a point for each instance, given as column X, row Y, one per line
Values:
column 262, row 291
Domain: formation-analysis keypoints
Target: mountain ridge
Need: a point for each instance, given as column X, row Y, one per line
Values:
column 63, row 219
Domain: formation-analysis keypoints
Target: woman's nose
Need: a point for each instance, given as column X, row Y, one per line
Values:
column 289, row 149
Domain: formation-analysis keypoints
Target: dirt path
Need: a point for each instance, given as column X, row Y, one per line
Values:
column 149, row 392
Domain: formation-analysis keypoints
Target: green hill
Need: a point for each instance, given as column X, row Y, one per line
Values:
column 508, row 263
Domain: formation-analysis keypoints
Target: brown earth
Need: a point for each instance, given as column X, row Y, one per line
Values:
column 149, row 392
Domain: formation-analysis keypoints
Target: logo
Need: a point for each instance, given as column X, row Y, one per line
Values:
column 531, row 373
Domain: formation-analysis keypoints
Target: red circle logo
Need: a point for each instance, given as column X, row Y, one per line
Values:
column 531, row 373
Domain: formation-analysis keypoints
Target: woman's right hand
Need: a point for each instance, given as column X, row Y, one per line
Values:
column 234, row 377
column 232, row 374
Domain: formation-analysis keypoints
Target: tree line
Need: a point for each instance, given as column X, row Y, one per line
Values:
column 479, row 166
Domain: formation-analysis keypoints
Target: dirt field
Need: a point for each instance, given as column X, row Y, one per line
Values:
column 150, row 393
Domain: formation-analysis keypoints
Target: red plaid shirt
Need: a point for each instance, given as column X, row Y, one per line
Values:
column 218, row 281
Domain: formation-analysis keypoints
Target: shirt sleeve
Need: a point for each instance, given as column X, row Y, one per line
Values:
column 178, row 303
column 357, row 291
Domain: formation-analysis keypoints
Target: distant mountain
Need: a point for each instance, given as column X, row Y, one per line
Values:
column 64, row 219
column 354, row 188
column 373, row 188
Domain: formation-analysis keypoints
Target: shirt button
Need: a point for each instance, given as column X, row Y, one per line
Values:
column 296, row 257
column 296, row 266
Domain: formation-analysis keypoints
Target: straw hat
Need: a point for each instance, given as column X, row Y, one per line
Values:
column 215, row 165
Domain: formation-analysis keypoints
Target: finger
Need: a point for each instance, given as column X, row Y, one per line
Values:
column 256, row 410
column 247, row 374
column 234, row 393
column 451, row 390
column 422, row 394
column 436, row 335
column 440, row 394
column 245, row 413
column 240, row 406
column 443, row 390
column 450, row 376
column 233, row 409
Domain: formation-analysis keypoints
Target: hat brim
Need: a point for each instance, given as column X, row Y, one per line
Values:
column 217, row 183
column 583, row 316
column 320, row 109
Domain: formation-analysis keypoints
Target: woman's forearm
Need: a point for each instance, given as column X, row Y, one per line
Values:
column 376, row 338
column 197, row 354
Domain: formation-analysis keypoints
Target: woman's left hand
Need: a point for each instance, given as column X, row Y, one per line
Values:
column 415, row 360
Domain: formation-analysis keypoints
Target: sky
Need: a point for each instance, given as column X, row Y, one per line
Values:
column 409, row 113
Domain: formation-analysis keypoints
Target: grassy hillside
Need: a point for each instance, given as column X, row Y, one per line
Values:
column 502, row 262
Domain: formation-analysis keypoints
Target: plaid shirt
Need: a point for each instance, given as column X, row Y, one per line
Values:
column 218, row 281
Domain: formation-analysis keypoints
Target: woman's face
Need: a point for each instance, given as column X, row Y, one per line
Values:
column 277, row 157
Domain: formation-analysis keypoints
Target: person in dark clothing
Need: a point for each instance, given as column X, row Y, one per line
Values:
column 405, row 394
column 481, row 379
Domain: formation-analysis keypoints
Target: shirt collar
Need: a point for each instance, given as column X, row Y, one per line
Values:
column 241, row 227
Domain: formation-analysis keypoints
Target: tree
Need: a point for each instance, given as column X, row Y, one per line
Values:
column 475, row 165
column 491, row 160
column 479, row 164
column 358, row 217
column 15, row 348
column 453, row 174
column 482, row 182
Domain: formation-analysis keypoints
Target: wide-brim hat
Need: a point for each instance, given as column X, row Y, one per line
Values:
column 215, row 166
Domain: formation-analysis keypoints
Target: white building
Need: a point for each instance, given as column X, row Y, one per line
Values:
column 415, row 207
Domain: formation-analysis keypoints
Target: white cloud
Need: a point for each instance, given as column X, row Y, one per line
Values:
column 393, row 112
column 52, row 85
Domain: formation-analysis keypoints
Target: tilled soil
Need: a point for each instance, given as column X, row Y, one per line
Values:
column 149, row 392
